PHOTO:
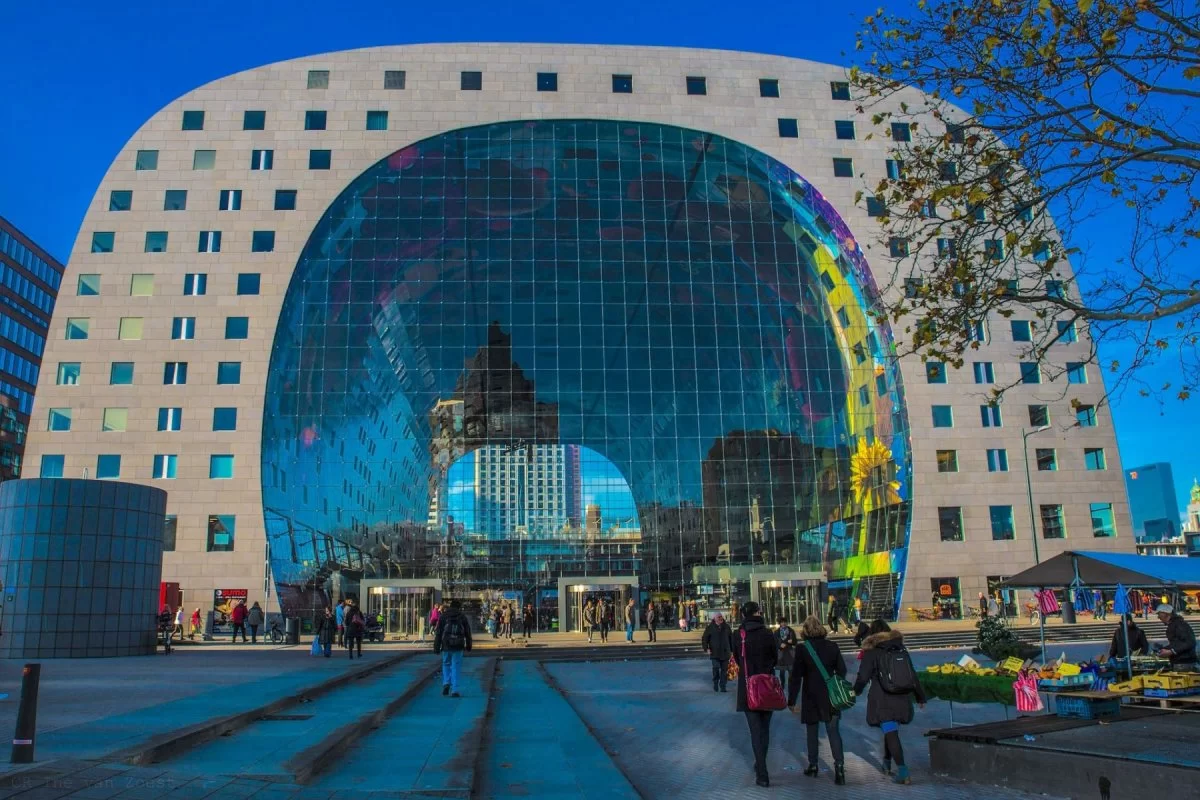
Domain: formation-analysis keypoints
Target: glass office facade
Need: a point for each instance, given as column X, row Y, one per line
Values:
column 533, row 350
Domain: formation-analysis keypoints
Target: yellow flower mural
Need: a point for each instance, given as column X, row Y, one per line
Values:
column 873, row 475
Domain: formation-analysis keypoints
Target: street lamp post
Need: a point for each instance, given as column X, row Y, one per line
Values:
column 1025, row 434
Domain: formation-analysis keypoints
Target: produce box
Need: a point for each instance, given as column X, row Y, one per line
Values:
column 1067, row 669
column 1135, row 684
column 1167, row 680
column 1083, row 707
column 1171, row 692
column 1065, row 682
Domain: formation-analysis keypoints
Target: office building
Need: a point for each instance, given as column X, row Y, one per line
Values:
column 1153, row 505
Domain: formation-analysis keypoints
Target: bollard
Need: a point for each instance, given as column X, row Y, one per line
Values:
column 22, row 747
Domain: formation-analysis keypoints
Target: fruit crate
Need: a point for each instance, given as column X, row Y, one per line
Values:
column 1171, row 692
column 1083, row 707
column 1066, row 683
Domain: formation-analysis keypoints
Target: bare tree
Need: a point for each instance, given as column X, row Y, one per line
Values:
column 1041, row 121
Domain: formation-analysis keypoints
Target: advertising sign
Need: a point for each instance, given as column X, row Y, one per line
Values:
column 223, row 602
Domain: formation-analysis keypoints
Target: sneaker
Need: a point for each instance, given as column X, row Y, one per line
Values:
column 902, row 776
column 455, row 694
column 445, row 689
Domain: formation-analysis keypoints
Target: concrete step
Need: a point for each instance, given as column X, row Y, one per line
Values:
column 430, row 747
column 264, row 749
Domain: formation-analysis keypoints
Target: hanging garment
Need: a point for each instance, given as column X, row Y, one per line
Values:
column 1026, row 690
column 1047, row 602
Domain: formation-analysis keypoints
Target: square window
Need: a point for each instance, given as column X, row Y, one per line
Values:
column 237, row 327
column 229, row 373
column 120, row 373
column 1047, row 459
column 788, row 128
column 956, row 134
column 697, row 85
column 141, row 286
column 989, row 416
column 844, row 129
column 901, row 132
column 839, row 90
column 262, row 242
column 1042, row 253
column 622, row 84
column 175, row 373
column 977, row 332
column 1055, row 289
column 102, row 241
column 224, row 419
column 183, row 328
column 108, row 467
column 912, row 287
column 1086, row 416
column 947, row 170
column 318, row 79
column 248, row 282
column 156, row 241
column 254, row 120
column 470, row 81
column 220, row 466
column 984, row 372
column 943, row 417
column 950, row 523
column 221, row 533
column 1104, row 525
column 204, row 159
column 77, row 327
column 935, row 372
column 997, row 460
column 164, row 467
column 875, row 207
column 146, row 160
column 1031, row 372
column 285, row 199
column 895, row 169
column 175, row 200
column 130, row 329
column 195, row 284
column 115, row 420
column 68, row 374
column 1076, row 372
column 1052, row 522
column 314, row 120
column 170, row 419
column 1039, row 416
column 193, row 120
column 993, row 249
column 320, row 159
column 230, row 200
column 547, row 81
column 897, row 247
column 843, row 168
column 1067, row 333
column 262, row 159
column 1022, row 330
column 377, row 120
column 947, row 461
column 768, row 87
column 88, row 286
column 120, row 200
column 59, row 419
column 1093, row 458
column 52, row 466
column 1002, row 523
column 210, row 242
column 393, row 79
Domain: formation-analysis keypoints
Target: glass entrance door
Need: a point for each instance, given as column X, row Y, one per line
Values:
column 405, row 610
column 791, row 600
column 614, row 595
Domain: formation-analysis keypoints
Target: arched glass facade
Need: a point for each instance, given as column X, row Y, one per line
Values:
column 526, row 311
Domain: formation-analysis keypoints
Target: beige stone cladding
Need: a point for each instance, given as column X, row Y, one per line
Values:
column 430, row 103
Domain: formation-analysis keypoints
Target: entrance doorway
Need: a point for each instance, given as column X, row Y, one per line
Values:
column 403, row 605
column 791, row 597
column 574, row 593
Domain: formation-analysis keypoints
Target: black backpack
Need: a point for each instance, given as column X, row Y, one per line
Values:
column 896, row 673
column 454, row 637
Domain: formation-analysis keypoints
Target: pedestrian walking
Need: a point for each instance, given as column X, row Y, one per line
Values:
column 887, row 667
column 651, row 622
column 605, row 620
column 528, row 620
column 808, row 684
column 195, row 624
column 451, row 639
column 983, row 605
column 435, row 613
column 630, row 620
column 238, row 617
column 993, row 608
column 326, row 625
column 718, row 642
column 255, row 620
column 785, row 640
column 833, row 614
column 339, row 614
column 858, row 607
column 354, row 624
column 178, row 623
column 589, row 618
column 1101, row 612
column 506, row 617
column 166, row 626
column 756, row 653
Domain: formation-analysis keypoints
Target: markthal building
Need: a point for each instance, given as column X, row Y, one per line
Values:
column 537, row 324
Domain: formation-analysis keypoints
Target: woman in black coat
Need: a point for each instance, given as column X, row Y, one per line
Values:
column 815, row 707
column 885, row 710
column 1137, row 640
column 756, row 653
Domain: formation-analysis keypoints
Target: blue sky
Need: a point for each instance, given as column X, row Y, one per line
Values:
column 80, row 77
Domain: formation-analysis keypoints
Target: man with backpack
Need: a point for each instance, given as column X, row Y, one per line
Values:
column 887, row 666
column 355, row 627
column 452, row 639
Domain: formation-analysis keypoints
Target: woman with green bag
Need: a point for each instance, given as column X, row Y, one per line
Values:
column 819, row 662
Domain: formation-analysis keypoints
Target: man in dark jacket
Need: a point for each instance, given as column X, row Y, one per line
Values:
column 887, row 710
column 1137, row 640
column 1181, row 639
column 718, row 643
column 756, row 653
column 452, row 639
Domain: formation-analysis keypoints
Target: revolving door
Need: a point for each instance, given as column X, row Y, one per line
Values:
column 574, row 594
column 791, row 597
column 404, row 609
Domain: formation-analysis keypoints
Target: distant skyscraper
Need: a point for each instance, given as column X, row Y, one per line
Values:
column 31, row 278
column 574, row 485
column 520, row 487
column 1152, row 500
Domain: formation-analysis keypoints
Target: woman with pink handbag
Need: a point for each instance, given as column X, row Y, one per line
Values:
column 758, row 692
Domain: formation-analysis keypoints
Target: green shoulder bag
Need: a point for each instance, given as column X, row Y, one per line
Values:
column 841, row 691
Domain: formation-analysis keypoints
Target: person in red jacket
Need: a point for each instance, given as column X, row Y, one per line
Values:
column 238, row 616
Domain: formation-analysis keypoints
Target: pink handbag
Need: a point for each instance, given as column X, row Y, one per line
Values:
column 763, row 691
